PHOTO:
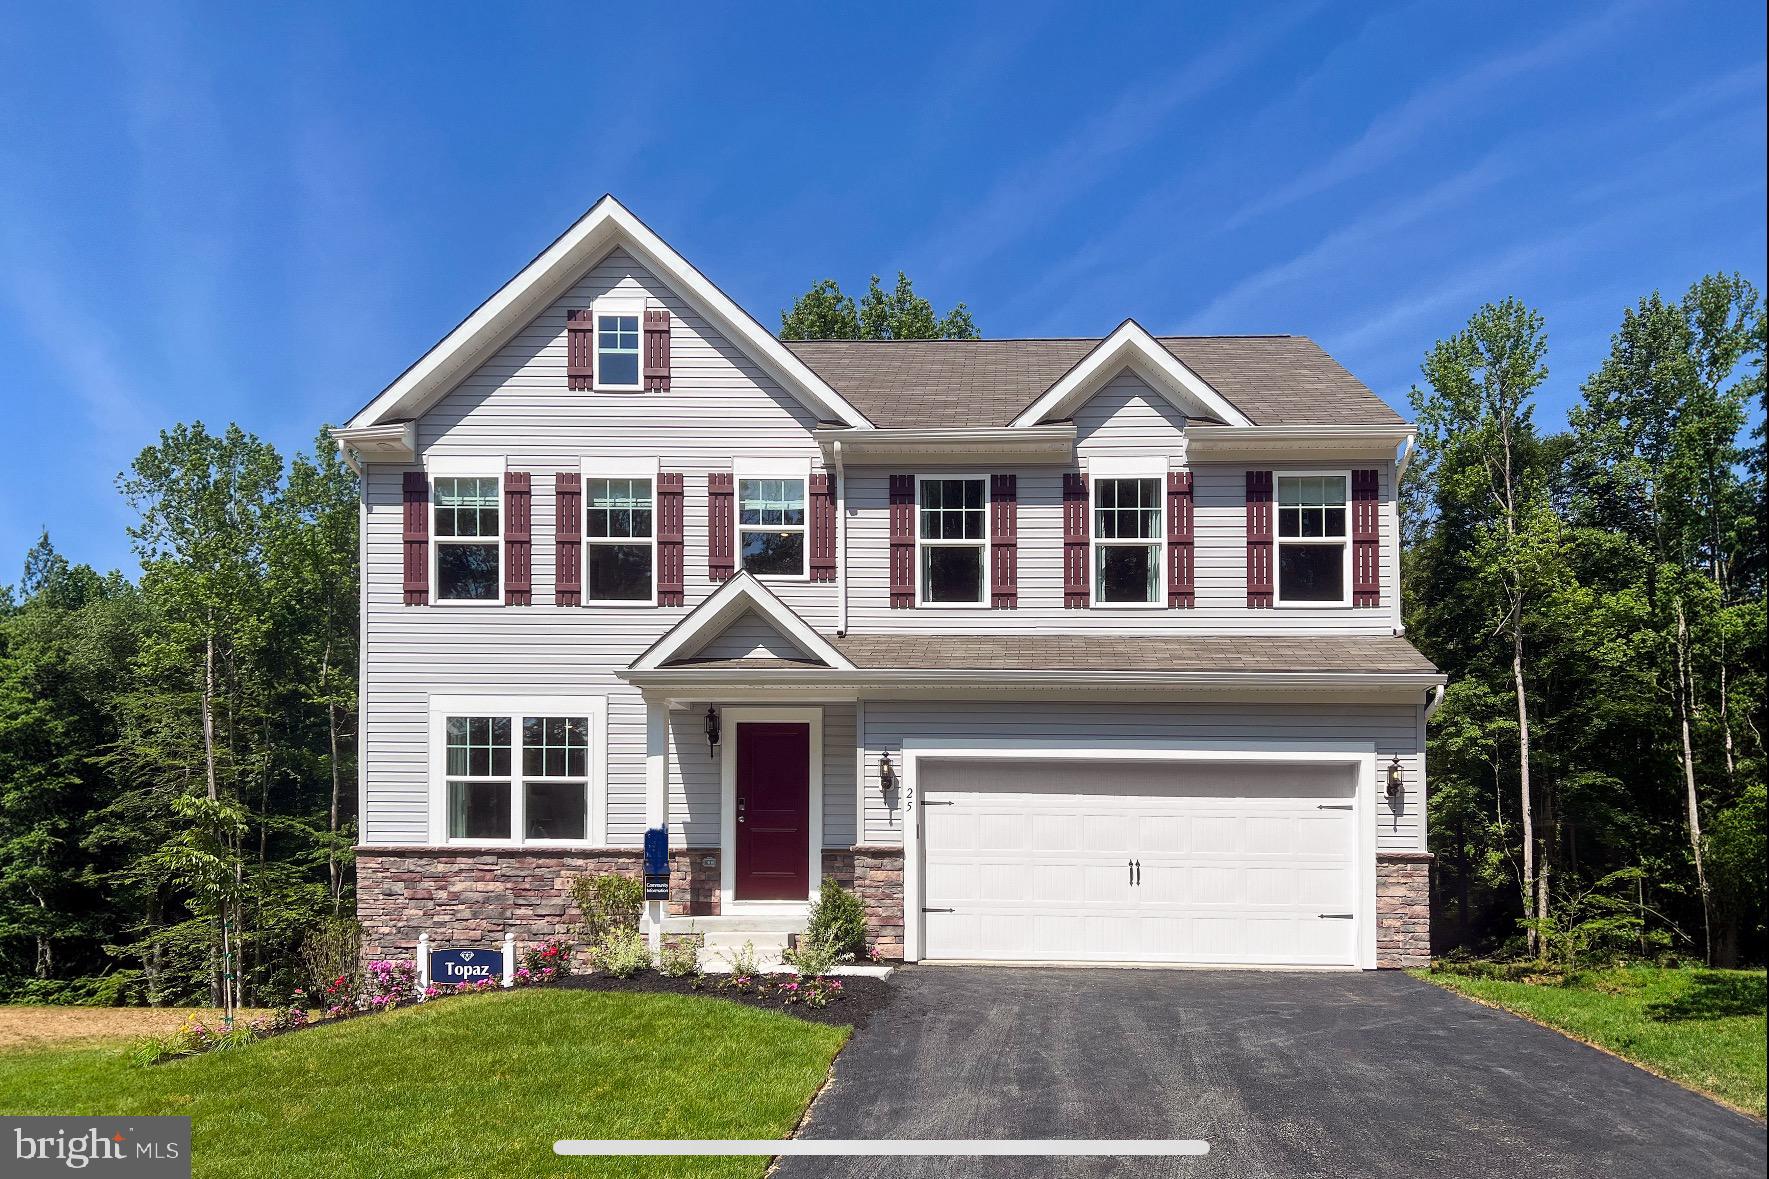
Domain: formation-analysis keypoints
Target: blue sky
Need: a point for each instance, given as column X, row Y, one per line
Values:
column 216, row 212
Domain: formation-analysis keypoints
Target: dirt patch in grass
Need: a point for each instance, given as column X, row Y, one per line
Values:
column 42, row 1027
column 861, row 997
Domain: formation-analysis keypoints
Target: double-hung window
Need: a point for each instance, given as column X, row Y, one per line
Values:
column 620, row 537
column 617, row 348
column 467, row 514
column 516, row 770
column 1129, row 538
column 1312, row 559
column 952, row 541
column 771, row 525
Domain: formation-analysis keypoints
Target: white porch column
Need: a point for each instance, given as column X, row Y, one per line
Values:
column 657, row 798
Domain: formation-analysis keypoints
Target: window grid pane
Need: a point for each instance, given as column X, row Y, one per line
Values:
column 772, row 503
column 466, row 507
column 620, row 509
column 1128, row 509
column 952, row 509
column 555, row 746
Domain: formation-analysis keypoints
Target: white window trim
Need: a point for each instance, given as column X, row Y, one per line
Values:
column 773, row 470
column 621, row 467
column 618, row 306
column 1278, row 541
column 731, row 717
column 517, row 707
column 983, row 585
column 464, row 467
column 1126, row 467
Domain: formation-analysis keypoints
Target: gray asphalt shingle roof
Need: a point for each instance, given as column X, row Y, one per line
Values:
column 1152, row 653
column 927, row 384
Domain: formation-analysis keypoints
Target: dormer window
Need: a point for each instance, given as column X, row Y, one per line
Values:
column 617, row 350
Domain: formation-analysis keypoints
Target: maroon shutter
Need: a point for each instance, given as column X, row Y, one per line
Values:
column 1004, row 542
column 719, row 563
column 580, row 348
column 1180, row 595
column 902, row 542
column 669, row 538
column 417, row 539
column 822, row 528
column 657, row 350
column 518, row 527
column 1075, row 540
column 1259, row 568
column 568, row 531
column 1366, row 538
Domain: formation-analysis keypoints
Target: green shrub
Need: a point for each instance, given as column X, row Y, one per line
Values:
column 607, row 902
column 814, row 958
column 744, row 962
column 680, row 958
column 837, row 920
column 622, row 953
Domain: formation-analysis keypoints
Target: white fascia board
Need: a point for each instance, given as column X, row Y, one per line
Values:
column 606, row 225
column 1131, row 345
column 1302, row 442
column 390, row 442
column 1051, row 443
column 988, row 679
column 731, row 601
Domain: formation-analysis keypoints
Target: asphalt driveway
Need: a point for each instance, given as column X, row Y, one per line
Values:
column 1285, row 1074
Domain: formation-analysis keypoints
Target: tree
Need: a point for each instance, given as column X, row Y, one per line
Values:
column 825, row 313
column 1658, row 462
column 1479, row 447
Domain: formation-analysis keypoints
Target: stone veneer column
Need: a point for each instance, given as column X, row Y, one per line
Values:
column 1403, row 909
column 694, row 882
column 875, row 874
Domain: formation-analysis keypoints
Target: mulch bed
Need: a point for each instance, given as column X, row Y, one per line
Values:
column 861, row 997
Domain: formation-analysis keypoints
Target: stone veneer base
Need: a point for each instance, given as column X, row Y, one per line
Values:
column 1403, row 909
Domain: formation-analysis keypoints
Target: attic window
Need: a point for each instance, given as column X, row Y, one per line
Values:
column 617, row 350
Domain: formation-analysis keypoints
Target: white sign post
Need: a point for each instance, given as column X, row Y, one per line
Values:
column 423, row 961
column 509, row 959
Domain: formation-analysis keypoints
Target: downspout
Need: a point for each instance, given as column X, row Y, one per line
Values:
column 841, row 544
column 1400, row 466
column 1434, row 700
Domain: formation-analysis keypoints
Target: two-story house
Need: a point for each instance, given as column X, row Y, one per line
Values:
column 1054, row 650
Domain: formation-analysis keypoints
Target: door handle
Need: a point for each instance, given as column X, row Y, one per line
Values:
column 740, row 805
column 1130, row 867
column 1137, row 864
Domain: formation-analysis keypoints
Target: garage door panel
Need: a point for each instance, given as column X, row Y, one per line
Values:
column 1237, row 863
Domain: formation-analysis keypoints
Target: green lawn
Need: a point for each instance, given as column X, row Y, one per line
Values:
column 477, row 1085
column 1703, row 1028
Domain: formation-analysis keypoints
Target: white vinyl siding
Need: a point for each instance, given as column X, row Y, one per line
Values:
column 515, row 407
column 750, row 637
column 1393, row 728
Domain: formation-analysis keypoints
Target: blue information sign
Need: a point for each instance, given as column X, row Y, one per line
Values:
column 466, row 966
column 657, row 851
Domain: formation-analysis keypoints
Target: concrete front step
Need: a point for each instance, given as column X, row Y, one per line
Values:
column 752, row 923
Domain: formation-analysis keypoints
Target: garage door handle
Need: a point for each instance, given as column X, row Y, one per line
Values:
column 927, row 910
column 1333, row 806
column 1137, row 864
column 1338, row 916
column 1130, row 867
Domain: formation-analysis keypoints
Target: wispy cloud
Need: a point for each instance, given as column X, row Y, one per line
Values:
column 1407, row 124
column 1030, row 194
column 1344, row 246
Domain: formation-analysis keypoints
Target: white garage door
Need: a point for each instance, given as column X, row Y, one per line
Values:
column 1056, row 861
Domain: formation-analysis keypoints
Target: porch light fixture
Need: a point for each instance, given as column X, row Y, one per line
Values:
column 887, row 774
column 1397, row 782
column 712, row 730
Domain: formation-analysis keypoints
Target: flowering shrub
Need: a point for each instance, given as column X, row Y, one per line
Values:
column 554, row 955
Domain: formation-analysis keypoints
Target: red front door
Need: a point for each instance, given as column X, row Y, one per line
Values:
column 773, row 811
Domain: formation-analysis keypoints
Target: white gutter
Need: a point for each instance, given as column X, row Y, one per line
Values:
column 841, row 543
column 993, row 677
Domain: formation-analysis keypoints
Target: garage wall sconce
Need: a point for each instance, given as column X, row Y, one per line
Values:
column 712, row 730
column 887, row 774
column 1397, row 781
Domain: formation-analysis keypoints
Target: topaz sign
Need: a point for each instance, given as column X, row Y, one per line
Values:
column 466, row 966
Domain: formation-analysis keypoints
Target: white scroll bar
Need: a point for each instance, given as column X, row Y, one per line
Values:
column 932, row 1147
